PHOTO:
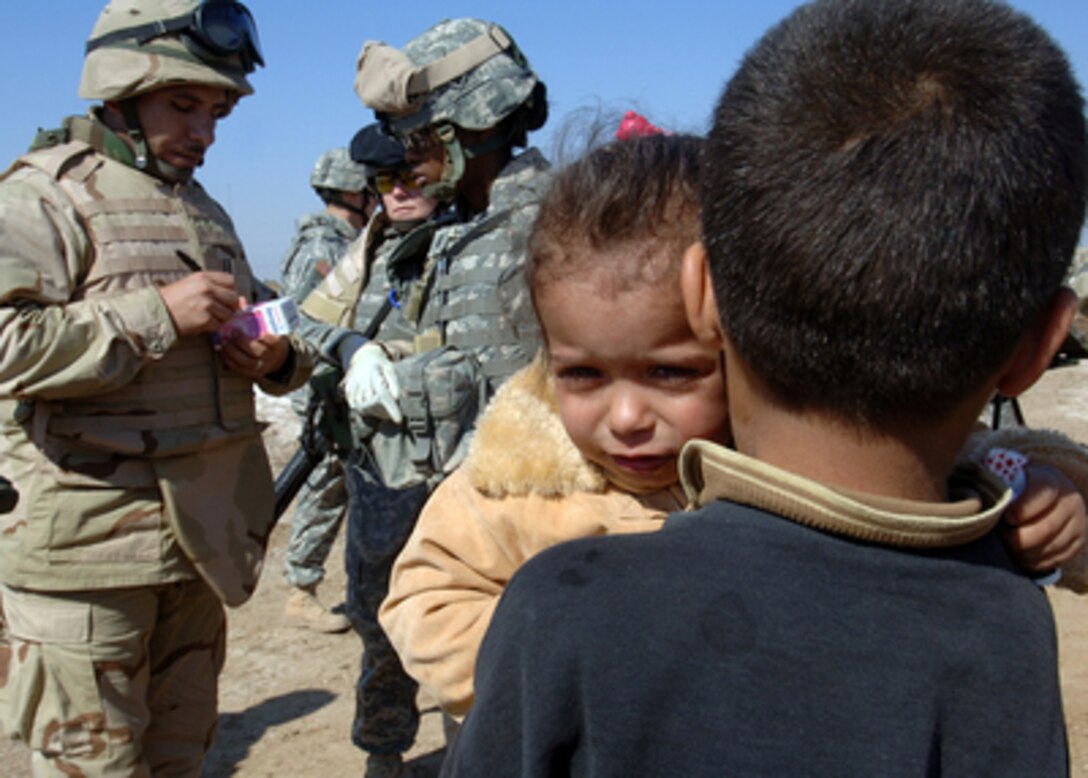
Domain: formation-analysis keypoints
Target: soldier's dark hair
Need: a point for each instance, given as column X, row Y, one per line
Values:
column 336, row 197
column 892, row 195
column 623, row 213
column 328, row 196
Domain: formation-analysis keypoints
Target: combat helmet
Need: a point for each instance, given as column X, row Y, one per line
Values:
column 336, row 176
column 460, row 73
column 335, row 169
column 138, row 46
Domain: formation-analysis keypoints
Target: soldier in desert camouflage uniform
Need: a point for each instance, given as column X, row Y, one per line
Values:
column 146, row 493
column 463, row 97
column 321, row 239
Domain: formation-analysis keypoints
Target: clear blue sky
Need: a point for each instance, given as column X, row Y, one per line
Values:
column 668, row 59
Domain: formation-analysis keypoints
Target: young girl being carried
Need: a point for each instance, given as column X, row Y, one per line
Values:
column 585, row 440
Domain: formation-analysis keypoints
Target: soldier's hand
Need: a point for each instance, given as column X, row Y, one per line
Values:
column 254, row 358
column 201, row 302
column 370, row 385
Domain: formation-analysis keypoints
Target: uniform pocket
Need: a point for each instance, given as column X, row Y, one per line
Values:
column 49, row 680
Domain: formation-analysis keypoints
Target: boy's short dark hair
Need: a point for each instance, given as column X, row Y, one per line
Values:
column 892, row 194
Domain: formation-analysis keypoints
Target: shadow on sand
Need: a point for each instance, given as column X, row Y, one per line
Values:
column 239, row 731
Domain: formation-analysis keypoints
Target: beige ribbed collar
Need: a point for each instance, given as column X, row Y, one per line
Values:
column 710, row 472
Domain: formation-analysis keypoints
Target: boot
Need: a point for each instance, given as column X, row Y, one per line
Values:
column 384, row 766
column 304, row 610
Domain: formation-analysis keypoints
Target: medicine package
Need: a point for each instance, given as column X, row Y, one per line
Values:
column 278, row 317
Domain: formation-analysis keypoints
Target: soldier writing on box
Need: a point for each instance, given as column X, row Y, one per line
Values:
column 147, row 495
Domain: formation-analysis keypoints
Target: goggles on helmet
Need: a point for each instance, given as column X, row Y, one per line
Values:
column 214, row 31
column 407, row 178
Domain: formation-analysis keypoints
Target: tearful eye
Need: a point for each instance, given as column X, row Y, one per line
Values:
column 673, row 373
column 578, row 373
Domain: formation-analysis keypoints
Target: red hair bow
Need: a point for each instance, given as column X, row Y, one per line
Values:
column 634, row 125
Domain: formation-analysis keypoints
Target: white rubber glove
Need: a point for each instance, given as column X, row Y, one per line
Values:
column 371, row 386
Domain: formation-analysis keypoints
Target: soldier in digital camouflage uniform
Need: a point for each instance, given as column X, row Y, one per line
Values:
column 321, row 239
column 146, row 493
column 463, row 97
column 384, row 264
column 323, row 236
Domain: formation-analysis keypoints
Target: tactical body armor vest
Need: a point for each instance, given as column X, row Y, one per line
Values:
column 466, row 308
column 379, row 269
column 462, row 322
column 146, row 233
column 165, row 474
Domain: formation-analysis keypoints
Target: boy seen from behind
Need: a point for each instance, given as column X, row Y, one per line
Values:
column 892, row 195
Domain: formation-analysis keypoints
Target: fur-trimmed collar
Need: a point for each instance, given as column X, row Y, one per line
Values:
column 520, row 446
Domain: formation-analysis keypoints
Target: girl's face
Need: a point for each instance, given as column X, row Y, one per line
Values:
column 632, row 381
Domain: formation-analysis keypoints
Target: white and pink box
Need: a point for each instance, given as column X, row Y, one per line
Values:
column 278, row 317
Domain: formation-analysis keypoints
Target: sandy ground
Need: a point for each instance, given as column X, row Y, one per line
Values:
column 288, row 695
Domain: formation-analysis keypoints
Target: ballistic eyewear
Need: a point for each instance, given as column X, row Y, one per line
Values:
column 214, row 31
column 406, row 178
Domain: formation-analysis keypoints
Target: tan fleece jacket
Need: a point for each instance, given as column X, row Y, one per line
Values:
column 525, row 487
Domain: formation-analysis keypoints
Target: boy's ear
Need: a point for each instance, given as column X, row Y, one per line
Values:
column 698, row 293
column 1037, row 348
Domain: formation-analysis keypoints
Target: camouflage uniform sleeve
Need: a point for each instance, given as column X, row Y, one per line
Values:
column 303, row 357
column 327, row 340
column 311, row 257
column 51, row 345
column 327, row 309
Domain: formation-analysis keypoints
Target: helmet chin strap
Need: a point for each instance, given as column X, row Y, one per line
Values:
column 453, row 166
column 457, row 154
column 358, row 210
column 145, row 160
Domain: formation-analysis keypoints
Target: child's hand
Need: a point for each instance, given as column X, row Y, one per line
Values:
column 1048, row 523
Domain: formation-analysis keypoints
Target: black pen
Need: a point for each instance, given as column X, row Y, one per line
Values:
column 228, row 265
column 189, row 261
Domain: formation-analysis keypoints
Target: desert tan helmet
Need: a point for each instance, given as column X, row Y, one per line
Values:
column 138, row 46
